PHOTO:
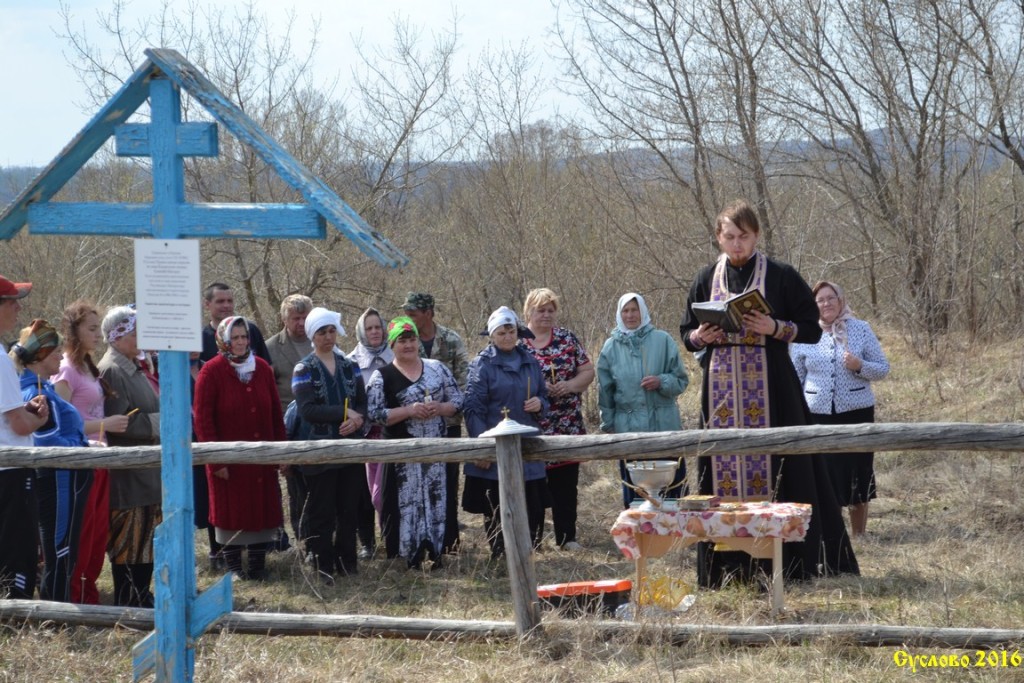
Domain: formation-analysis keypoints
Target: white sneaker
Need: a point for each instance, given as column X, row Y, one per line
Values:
column 572, row 546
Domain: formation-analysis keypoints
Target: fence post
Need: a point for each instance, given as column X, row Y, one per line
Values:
column 515, row 526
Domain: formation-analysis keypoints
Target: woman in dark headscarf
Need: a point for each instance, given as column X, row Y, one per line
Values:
column 236, row 400
column 372, row 352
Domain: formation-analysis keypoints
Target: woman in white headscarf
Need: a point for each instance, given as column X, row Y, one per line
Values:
column 236, row 400
column 836, row 375
column 640, row 374
column 505, row 381
column 331, row 399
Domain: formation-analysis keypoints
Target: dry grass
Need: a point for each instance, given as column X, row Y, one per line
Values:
column 944, row 549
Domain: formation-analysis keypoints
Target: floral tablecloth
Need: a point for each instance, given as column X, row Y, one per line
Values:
column 787, row 521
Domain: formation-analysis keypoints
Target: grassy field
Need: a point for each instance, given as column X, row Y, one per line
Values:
column 945, row 548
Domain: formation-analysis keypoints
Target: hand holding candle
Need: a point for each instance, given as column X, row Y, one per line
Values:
column 532, row 403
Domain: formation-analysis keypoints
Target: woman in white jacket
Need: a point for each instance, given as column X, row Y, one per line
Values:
column 836, row 375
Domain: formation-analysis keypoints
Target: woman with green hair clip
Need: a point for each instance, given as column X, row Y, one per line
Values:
column 411, row 397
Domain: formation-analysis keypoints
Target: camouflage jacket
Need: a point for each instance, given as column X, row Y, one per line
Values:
column 451, row 350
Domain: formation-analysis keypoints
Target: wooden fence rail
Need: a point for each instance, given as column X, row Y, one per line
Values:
column 879, row 437
column 369, row 626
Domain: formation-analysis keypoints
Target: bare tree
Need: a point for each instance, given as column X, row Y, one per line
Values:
column 374, row 152
column 872, row 87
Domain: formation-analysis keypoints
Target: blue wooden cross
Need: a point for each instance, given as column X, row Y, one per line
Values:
column 181, row 615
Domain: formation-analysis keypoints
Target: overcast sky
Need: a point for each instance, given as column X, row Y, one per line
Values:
column 42, row 107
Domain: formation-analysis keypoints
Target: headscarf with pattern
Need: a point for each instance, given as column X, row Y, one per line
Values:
column 399, row 326
column 244, row 363
column 370, row 358
column 37, row 341
column 837, row 328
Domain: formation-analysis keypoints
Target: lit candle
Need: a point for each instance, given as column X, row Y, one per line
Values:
column 101, row 430
column 552, row 374
column 344, row 414
column 131, row 412
column 527, row 388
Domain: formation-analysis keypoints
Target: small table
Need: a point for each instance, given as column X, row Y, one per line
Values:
column 758, row 529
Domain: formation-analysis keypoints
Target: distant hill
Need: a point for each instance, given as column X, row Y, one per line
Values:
column 13, row 180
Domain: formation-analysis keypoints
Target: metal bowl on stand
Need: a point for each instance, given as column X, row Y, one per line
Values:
column 653, row 476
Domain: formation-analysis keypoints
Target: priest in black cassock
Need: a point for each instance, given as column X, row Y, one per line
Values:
column 749, row 382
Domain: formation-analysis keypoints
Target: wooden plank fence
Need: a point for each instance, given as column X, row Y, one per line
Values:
column 369, row 626
column 879, row 437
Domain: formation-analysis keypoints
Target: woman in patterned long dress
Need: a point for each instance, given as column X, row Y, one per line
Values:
column 836, row 374
column 749, row 382
column 411, row 397
column 568, row 372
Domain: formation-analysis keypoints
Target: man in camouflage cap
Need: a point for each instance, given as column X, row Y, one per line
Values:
column 443, row 344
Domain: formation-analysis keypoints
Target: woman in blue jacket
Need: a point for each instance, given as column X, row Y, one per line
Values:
column 61, row 493
column 836, row 375
column 504, row 378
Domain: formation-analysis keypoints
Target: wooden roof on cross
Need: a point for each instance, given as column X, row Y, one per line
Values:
column 32, row 206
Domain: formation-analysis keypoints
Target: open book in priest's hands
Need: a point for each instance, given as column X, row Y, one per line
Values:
column 728, row 314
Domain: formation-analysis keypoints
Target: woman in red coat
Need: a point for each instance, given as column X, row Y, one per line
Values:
column 236, row 400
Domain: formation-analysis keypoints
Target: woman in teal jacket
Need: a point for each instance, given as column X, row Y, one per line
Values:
column 640, row 375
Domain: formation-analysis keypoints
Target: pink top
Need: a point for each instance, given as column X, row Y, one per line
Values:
column 86, row 392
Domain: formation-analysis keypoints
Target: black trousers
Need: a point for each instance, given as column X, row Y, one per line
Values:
column 483, row 496
column 19, row 533
column 132, row 584
column 332, row 515
column 367, row 520
column 451, row 508
column 563, row 485
column 62, row 495
column 296, row 484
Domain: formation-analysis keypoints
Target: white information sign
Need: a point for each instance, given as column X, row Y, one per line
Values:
column 167, row 295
